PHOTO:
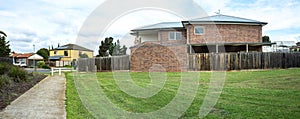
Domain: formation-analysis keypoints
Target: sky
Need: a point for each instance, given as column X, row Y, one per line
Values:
column 47, row 23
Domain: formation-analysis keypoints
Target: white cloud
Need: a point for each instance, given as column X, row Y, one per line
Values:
column 49, row 22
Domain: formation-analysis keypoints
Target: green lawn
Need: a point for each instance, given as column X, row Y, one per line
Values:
column 246, row 94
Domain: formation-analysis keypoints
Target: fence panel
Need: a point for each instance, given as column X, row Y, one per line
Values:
column 240, row 61
column 104, row 63
column 6, row 59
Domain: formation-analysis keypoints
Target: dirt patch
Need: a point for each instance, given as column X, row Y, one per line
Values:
column 12, row 91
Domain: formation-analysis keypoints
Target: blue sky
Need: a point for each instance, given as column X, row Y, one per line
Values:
column 49, row 22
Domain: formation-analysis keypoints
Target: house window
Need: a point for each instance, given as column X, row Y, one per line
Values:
column 199, row 30
column 55, row 52
column 175, row 35
column 66, row 53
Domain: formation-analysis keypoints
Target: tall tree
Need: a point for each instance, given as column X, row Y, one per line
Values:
column 44, row 53
column 105, row 46
column 123, row 50
column 118, row 50
column 266, row 39
column 4, row 45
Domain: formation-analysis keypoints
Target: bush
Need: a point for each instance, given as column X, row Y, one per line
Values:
column 4, row 80
column 4, row 67
column 17, row 74
column 46, row 67
column 40, row 64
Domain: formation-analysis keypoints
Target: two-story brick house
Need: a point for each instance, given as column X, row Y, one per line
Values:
column 169, row 43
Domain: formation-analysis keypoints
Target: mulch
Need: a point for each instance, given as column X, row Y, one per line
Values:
column 14, row 90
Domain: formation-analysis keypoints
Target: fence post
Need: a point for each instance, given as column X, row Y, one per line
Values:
column 59, row 71
column 52, row 71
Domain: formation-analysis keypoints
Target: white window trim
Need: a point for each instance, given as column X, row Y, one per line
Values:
column 199, row 27
column 175, row 38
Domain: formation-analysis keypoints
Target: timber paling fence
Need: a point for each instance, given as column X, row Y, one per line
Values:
column 241, row 61
column 203, row 62
column 104, row 63
column 6, row 59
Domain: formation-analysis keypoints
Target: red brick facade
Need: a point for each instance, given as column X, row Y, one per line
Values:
column 146, row 57
column 171, row 55
column 229, row 33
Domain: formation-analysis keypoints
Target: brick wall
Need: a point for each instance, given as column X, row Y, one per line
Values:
column 164, row 36
column 227, row 33
column 152, row 57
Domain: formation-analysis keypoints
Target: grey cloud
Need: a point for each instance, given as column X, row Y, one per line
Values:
column 17, row 40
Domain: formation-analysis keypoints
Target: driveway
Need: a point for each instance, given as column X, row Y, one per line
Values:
column 46, row 100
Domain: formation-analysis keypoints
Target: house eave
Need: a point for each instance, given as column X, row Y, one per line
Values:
column 224, row 22
column 157, row 29
column 236, row 44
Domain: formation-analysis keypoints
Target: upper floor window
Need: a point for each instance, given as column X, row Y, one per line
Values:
column 199, row 30
column 55, row 52
column 175, row 35
column 66, row 53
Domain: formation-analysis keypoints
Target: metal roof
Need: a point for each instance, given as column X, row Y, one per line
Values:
column 72, row 47
column 227, row 19
column 55, row 57
column 216, row 19
column 162, row 25
column 285, row 43
column 36, row 56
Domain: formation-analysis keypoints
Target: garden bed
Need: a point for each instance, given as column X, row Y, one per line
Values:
column 15, row 81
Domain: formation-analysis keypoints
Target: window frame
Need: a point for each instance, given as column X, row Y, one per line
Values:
column 199, row 27
column 175, row 35
column 66, row 52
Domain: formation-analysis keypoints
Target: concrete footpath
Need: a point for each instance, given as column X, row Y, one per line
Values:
column 46, row 100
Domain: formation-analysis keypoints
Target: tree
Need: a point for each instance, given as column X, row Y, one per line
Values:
column 107, row 48
column 118, row 50
column 266, row 39
column 123, row 50
column 83, row 55
column 44, row 53
column 4, row 45
column 105, row 45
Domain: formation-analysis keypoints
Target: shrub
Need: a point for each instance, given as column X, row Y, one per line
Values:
column 17, row 74
column 4, row 80
column 4, row 67
column 68, row 66
column 46, row 67
column 40, row 64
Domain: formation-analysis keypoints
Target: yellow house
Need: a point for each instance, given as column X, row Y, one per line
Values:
column 64, row 55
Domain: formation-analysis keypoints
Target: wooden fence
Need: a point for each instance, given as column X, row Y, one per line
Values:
column 104, row 63
column 6, row 59
column 240, row 61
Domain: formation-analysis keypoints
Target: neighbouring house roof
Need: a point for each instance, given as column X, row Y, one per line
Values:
column 285, row 43
column 36, row 57
column 216, row 19
column 26, row 55
column 72, row 47
column 13, row 54
column 163, row 25
column 55, row 57
column 225, row 19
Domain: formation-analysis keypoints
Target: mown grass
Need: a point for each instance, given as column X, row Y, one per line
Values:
column 75, row 109
column 246, row 94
